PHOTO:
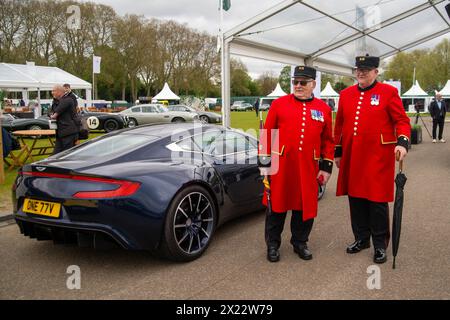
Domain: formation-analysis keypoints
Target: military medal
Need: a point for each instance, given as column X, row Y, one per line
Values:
column 375, row 100
column 317, row 115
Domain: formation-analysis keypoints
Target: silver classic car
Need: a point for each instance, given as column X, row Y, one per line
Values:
column 155, row 113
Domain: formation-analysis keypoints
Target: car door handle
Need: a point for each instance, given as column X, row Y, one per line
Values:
column 166, row 116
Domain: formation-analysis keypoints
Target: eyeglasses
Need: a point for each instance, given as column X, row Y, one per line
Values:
column 302, row 82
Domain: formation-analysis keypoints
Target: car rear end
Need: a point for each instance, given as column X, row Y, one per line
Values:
column 93, row 201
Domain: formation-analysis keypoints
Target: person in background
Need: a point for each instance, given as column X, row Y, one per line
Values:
column 257, row 107
column 438, row 109
column 64, row 112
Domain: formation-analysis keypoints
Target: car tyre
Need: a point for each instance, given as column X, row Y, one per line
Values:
column 204, row 119
column 178, row 120
column 190, row 224
column 111, row 125
column 132, row 122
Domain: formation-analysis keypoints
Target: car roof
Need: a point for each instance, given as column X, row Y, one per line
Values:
column 167, row 129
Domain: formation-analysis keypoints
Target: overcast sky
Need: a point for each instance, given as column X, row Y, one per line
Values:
column 203, row 15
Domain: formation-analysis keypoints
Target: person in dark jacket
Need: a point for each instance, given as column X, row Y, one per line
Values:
column 64, row 112
column 257, row 107
column 438, row 108
column 69, row 93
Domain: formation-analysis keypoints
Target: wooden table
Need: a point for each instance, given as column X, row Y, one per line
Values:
column 31, row 151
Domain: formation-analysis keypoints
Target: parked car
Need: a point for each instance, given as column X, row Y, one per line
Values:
column 104, row 121
column 142, row 189
column 204, row 116
column 244, row 107
column 155, row 113
column 264, row 107
column 236, row 104
column 11, row 123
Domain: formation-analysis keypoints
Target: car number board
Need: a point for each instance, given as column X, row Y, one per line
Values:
column 42, row 208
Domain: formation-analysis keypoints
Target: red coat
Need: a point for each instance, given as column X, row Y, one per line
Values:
column 368, row 124
column 302, row 141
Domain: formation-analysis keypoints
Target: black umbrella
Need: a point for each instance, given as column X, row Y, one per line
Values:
column 400, row 181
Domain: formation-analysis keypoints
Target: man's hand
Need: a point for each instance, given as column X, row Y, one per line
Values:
column 264, row 171
column 403, row 152
column 325, row 177
column 54, row 116
column 337, row 161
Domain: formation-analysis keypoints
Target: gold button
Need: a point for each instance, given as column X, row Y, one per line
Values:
column 300, row 149
column 356, row 123
column 303, row 124
column 360, row 98
column 355, row 128
column 362, row 93
column 302, row 136
column 303, row 130
column 359, row 102
column 354, row 134
column 301, row 142
column 358, row 107
column 357, row 118
column 357, row 112
column 304, row 118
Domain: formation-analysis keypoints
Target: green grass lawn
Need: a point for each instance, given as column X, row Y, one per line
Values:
column 10, row 174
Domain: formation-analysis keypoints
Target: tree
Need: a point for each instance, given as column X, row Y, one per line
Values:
column 285, row 79
column 240, row 80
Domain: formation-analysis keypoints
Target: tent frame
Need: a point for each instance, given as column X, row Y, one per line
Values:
column 231, row 43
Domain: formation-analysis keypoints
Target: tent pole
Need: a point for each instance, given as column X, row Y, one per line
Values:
column 2, row 164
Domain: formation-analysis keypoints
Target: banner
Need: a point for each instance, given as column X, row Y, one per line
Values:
column 96, row 64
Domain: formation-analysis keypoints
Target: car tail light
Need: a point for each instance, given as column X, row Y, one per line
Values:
column 119, row 188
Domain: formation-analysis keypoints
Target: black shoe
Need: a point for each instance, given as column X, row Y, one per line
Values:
column 273, row 255
column 303, row 252
column 357, row 246
column 380, row 256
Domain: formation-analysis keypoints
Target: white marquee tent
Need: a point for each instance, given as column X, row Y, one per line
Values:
column 328, row 92
column 445, row 92
column 166, row 94
column 29, row 77
column 416, row 92
column 278, row 92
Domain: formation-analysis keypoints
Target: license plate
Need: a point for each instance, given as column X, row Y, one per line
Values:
column 43, row 208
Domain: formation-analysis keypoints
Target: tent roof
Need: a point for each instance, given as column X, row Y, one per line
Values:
column 321, row 34
column 31, row 77
column 278, row 92
column 446, row 90
column 166, row 94
column 415, row 91
column 328, row 91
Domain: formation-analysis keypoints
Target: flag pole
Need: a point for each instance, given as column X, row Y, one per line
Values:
column 222, row 58
column 93, row 81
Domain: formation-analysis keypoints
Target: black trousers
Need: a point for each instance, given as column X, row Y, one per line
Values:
column 439, row 122
column 300, row 229
column 65, row 143
column 370, row 219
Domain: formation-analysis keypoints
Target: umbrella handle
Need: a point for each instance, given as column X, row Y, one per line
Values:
column 397, row 156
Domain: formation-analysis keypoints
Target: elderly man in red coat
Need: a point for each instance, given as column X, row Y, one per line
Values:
column 296, row 135
column 371, row 128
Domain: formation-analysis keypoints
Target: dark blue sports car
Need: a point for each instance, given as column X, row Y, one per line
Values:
column 162, row 188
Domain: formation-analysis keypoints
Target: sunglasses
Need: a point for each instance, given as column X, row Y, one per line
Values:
column 363, row 70
column 302, row 82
